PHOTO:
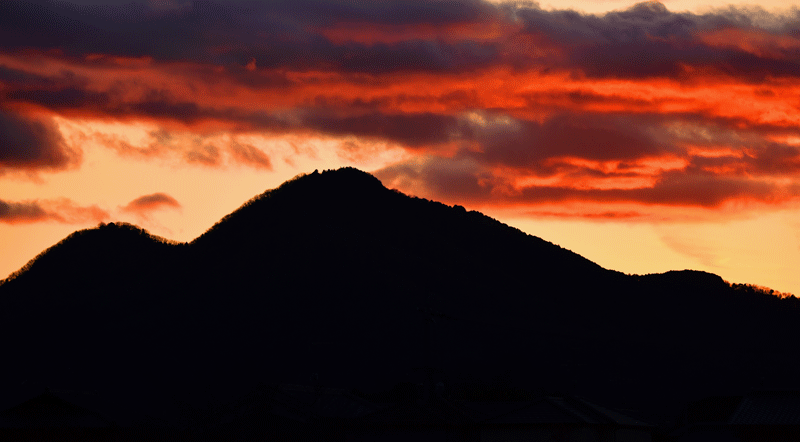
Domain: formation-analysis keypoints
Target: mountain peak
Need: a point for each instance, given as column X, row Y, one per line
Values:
column 345, row 181
column 348, row 175
column 330, row 272
column 311, row 199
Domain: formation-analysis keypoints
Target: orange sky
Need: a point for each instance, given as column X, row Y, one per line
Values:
column 646, row 137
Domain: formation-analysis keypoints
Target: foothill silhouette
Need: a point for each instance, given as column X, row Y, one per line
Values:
column 387, row 296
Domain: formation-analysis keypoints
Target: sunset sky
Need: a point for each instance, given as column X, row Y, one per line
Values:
column 644, row 136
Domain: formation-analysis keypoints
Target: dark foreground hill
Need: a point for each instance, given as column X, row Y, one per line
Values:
column 333, row 275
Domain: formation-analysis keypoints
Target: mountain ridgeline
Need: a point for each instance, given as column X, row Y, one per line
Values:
column 333, row 274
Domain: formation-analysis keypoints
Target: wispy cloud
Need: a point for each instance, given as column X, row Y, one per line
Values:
column 250, row 155
column 148, row 203
column 696, row 249
column 59, row 210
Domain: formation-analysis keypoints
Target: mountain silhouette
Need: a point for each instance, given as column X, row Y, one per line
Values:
column 335, row 276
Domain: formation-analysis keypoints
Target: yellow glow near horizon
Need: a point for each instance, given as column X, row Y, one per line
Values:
column 642, row 248
column 206, row 194
column 111, row 178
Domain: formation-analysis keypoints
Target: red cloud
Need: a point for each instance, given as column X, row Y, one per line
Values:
column 600, row 216
column 758, row 42
column 147, row 203
column 490, row 29
column 454, row 180
column 523, row 105
column 250, row 155
column 60, row 210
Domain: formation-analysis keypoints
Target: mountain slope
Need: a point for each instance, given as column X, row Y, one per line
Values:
column 332, row 273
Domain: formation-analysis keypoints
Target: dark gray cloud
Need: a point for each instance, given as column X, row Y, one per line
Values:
column 525, row 144
column 414, row 130
column 33, row 143
column 357, row 45
column 442, row 178
column 648, row 40
column 454, row 180
column 645, row 40
column 64, row 98
column 275, row 33
column 11, row 212
column 15, row 78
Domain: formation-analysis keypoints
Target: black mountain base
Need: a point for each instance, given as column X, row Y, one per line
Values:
column 332, row 275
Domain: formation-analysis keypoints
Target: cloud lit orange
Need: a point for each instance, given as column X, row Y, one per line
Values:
column 642, row 114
